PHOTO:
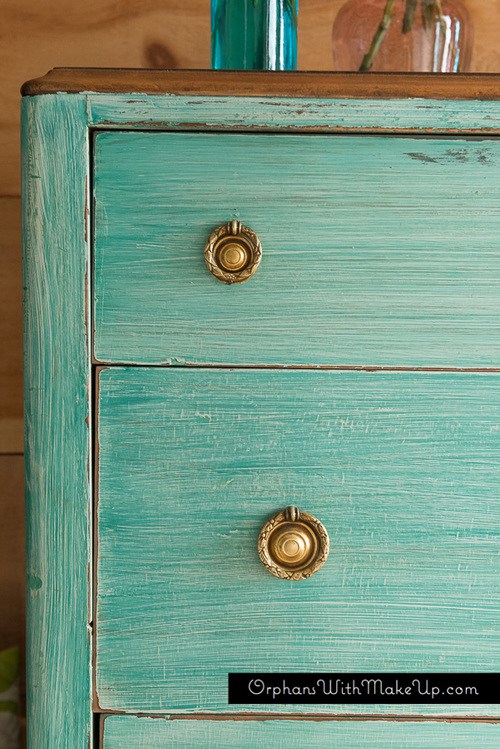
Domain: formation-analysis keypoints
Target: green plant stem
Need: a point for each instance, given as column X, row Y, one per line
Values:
column 409, row 16
column 292, row 6
column 432, row 10
column 440, row 15
column 382, row 30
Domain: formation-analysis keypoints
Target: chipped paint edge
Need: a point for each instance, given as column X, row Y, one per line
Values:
column 295, row 115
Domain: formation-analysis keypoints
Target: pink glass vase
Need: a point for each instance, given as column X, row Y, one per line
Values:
column 403, row 36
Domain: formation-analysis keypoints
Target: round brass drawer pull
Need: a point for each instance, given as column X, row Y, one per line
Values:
column 293, row 544
column 233, row 252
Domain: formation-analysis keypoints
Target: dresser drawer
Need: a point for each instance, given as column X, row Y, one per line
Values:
column 401, row 468
column 129, row 732
column 376, row 250
column 170, row 417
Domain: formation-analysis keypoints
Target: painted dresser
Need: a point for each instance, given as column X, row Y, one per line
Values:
column 262, row 403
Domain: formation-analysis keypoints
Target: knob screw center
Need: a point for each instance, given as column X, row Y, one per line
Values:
column 233, row 256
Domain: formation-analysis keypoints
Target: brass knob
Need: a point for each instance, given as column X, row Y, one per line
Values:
column 293, row 544
column 233, row 252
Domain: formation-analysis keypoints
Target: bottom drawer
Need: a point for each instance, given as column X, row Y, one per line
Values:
column 130, row 732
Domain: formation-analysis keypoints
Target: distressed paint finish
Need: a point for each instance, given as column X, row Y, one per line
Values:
column 460, row 508
column 129, row 732
column 376, row 250
column 402, row 469
column 244, row 113
column 57, row 414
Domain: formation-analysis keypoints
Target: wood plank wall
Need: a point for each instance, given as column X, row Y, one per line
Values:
column 132, row 33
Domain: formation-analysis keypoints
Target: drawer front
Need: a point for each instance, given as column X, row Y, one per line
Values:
column 129, row 732
column 376, row 250
column 402, row 469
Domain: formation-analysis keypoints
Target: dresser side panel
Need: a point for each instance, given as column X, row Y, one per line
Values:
column 57, row 421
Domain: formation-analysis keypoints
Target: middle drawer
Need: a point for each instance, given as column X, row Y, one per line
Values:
column 401, row 468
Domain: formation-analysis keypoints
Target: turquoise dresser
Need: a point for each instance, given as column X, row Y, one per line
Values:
column 262, row 335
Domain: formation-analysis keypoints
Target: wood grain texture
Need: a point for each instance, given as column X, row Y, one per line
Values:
column 129, row 732
column 159, row 34
column 57, row 400
column 35, row 37
column 268, row 83
column 152, row 33
column 11, row 390
column 402, row 469
column 376, row 251
column 245, row 113
column 138, row 33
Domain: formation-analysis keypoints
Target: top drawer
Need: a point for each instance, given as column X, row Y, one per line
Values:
column 377, row 251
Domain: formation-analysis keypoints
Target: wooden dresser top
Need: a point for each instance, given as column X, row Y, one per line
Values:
column 249, row 83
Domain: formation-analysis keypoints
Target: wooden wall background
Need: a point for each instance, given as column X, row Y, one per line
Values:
column 128, row 33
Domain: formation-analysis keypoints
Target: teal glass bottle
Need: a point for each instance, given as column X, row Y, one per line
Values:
column 254, row 34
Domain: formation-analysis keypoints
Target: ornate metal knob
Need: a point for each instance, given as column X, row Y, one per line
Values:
column 233, row 252
column 293, row 544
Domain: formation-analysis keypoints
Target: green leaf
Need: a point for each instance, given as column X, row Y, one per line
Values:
column 9, row 668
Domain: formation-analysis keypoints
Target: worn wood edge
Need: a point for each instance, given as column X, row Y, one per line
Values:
column 104, row 728
column 95, row 540
column 101, row 365
column 55, row 158
column 324, row 84
column 306, row 717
